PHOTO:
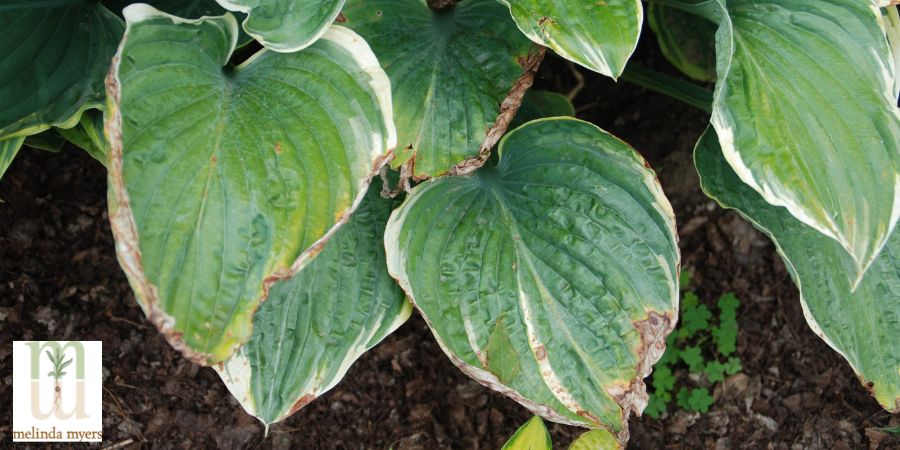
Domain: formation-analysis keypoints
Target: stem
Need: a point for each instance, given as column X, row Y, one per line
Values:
column 57, row 396
column 684, row 91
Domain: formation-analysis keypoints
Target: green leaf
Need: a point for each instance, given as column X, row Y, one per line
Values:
column 684, row 280
column 569, row 244
column 725, row 336
column 733, row 365
column 48, row 140
column 656, row 407
column 861, row 325
column 538, row 104
column 188, row 9
column 699, row 400
column 600, row 36
column 693, row 357
column 286, row 25
column 715, row 371
column 686, row 40
column 88, row 135
column 695, row 319
column 224, row 180
column 684, row 399
column 9, row 148
column 891, row 24
column 663, row 378
column 55, row 57
column 449, row 71
column 596, row 440
column 315, row 324
column 531, row 436
column 689, row 300
column 806, row 115
column 728, row 304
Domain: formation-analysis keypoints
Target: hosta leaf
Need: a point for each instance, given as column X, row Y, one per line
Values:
column 9, row 148
column 449, row 70
column 48, row 140
column 686, row 40
column 550, row 277
column 533, row 435
column 88, row 135
column 596, row 440
column 890, row 20
column 223, row 180
column 188, row 9
column 806, row 115
column 315, row 324
column 539, row 104
column 286, row 25
column 600, row 36
column 55, row 55
column 861, row 325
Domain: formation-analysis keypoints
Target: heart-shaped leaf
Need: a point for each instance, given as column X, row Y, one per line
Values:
column 806, row 115
column 315, row 324
column 450, row 70
column 224, row 180
column 550, row 277
column 286, row 25
column 600, row 36
column 687, row 40
column 188, row 9
column 55, row 54
column 861, row 325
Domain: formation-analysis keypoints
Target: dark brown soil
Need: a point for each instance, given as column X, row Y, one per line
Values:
column 59, row 280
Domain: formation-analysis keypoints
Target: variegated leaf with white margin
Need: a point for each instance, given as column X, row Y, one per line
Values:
column 862, row 325
column 286, row 25
column 188, row 9
column 315, row 324
column 54, row 56
column 550, row 276
column 890, row 21
column 224, row 179
column 450, row 70
column 600, row 36
column 806, row 115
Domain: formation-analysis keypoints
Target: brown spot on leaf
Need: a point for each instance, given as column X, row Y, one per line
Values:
column 278, row 147
column 540, row 353
column 300, row 403
column 340, row 18
column 632, row 395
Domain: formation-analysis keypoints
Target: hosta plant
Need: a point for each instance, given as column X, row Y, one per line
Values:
column 289, row 178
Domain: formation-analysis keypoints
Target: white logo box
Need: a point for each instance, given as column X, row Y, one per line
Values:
column 74, row 412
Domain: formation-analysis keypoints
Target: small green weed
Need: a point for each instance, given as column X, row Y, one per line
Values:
column 705, row 345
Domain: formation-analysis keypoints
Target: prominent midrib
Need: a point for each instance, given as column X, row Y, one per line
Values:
column 564, row 395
